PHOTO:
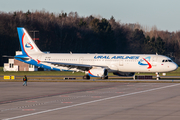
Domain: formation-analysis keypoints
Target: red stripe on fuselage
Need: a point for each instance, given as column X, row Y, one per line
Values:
column 150, row 66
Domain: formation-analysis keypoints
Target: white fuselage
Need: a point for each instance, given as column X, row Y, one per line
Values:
column 113, row 62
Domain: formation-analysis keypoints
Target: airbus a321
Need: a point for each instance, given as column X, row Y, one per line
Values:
column 94, row 65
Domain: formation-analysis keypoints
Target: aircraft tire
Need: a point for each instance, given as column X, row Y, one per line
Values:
column 87, row 77
column 106, row 77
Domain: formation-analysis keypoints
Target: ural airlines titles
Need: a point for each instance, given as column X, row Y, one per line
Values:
column 116, row 57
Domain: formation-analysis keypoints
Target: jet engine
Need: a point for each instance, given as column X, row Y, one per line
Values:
column 98, row 72
column 124, row 73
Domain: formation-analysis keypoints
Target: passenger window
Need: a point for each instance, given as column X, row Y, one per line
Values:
column 162, row 60
column 166, row 60
column 170, row 60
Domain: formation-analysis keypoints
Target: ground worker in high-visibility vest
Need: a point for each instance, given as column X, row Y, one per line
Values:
column 25, row 80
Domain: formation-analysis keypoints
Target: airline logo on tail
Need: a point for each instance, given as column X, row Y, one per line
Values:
column 145, row 61
column 29, row 45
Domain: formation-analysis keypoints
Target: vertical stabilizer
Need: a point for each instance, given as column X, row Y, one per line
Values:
column 27, row 44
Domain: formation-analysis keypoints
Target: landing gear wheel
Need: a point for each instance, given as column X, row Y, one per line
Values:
column 106, row 77
column 87, row 77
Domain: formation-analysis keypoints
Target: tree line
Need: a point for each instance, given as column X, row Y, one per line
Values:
column 62, row 33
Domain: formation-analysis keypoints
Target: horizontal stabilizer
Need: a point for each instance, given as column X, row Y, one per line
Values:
column 8, row 56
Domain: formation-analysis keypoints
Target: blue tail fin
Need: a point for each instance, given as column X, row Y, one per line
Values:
column 27, row 44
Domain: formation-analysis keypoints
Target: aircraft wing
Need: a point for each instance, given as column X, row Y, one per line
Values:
column 72, row 65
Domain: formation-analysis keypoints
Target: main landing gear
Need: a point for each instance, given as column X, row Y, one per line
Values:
column 87, row 77
column 105, row 77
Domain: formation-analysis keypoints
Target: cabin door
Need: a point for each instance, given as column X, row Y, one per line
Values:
column 154, row 61
column 121, row 63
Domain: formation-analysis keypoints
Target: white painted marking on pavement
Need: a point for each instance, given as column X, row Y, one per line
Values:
column 36, row 113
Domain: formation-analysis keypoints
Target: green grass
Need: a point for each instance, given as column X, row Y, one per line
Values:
column 44, row 73
column 1, row 68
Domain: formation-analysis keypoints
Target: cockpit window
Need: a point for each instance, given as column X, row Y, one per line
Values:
column 166, row 60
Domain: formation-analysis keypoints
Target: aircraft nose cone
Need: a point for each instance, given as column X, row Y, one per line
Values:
column 175, row 66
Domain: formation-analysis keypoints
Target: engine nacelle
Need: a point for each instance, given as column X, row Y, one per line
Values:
column 98, row 72
column 124, row 73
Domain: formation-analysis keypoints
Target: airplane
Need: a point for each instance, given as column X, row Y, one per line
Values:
column 93, row 65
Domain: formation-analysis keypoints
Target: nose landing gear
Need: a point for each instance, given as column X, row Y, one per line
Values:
column 157, row 76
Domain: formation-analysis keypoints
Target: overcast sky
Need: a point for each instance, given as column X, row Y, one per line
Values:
column 164, row 14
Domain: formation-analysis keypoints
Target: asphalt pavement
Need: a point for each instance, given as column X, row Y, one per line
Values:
column 89, row 101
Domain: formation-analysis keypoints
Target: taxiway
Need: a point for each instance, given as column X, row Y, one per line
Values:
column 89, row 101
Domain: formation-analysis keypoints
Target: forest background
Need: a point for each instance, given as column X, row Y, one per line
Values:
column 62, row 33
